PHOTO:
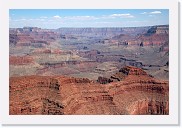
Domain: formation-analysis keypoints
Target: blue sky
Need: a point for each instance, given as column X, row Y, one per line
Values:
column 57, row 18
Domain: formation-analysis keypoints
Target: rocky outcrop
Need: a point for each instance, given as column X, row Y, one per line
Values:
column 65, row 63
column 20, row 39
column 13, row 39
column 131, row 62
column 104, row 80
column 32, row 36
column 129, row 70
column 149, row 107
column 42, row 51
column 89, row 54
column 164, row 47
column 137, row 94
column 156, row 35
column 35, row 95
column 123, row 72
column 162, row 29
column 56, row 66
column 20, row 60
column 50, row 51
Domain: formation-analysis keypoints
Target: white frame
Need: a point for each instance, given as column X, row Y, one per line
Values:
column 171, row 119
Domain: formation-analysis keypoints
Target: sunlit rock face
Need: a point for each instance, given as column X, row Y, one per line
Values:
column 136, row 93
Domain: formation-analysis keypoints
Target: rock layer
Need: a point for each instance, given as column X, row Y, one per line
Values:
column 137, row 93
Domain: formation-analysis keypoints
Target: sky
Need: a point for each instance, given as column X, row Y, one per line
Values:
column 58, row 18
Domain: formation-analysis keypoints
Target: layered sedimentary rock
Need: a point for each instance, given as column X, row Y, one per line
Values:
column 155, row 35
column 123, row 73
column 35, row 95
column 102, row 31
column 94, row 56
column 162, row 29
column 32, row 36
column 20, row 60
column 136, row 93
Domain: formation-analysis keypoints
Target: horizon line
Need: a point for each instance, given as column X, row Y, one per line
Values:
column 91, row 27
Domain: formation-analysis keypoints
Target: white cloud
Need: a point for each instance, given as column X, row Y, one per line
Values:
column 137, row 21
column 106, row 17
column 87, row 16
column 143, row 13
column 79, row 17
column 127, row 15
column 155, row 12
column 57, row 16
column 120, row 15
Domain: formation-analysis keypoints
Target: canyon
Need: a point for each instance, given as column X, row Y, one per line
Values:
column 138, row 93
column 89, row 71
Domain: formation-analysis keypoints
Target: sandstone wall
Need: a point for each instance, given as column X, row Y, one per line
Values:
column 137, row 93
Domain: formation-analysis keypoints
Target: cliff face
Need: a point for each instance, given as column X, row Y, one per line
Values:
column 102, row 31
column 137, row 93
column 156, row 35
column 27, row 36
column 17, row 60
column 163, row 29
column 31, row 36
column 35, row 95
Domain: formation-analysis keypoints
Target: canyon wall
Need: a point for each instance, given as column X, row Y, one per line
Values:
column 137, row 93
column 102, row 31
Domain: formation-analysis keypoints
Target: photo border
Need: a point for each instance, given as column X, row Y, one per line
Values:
column 171, row 119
